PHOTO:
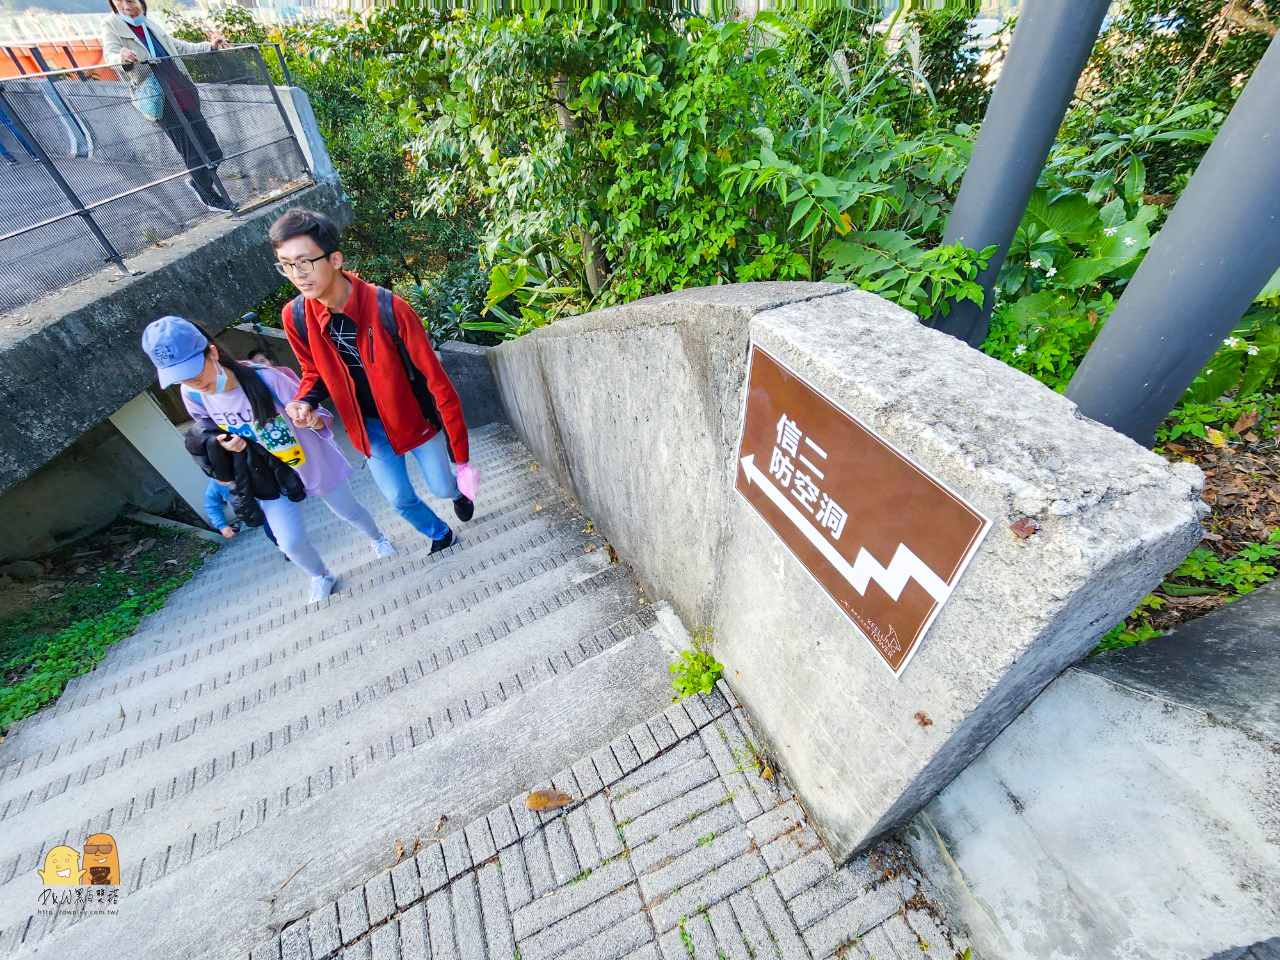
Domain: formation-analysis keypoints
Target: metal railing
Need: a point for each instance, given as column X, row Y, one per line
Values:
column 100, row 163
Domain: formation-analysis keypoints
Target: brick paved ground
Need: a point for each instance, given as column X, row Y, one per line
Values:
column 675, row 848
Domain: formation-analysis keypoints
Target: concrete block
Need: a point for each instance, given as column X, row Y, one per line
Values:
column 469, row 369
column 665, row 376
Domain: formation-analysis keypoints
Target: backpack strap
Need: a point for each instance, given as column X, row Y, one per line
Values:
column 298, row 316
column 387, row 313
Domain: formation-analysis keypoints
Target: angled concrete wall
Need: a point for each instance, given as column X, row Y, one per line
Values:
column 76, row 359
column 1131, row 811
column 637, row 410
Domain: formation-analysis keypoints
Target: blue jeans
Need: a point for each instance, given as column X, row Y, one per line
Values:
column 391, row 473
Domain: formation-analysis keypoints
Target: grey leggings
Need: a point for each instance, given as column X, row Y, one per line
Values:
column 290, row 527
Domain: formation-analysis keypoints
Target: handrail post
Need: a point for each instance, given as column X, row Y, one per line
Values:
column 172, row 101
column 37, row 149
column 284, row 65
column 302, row 157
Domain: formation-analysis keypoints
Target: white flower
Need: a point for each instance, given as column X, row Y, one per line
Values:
column 1129, row 241
column 1234, row 343
column 1051, row 271
column 1111, row 231
column 1252, row 351
column 1035, row 264
column 1021, row 349
column 1208, row 369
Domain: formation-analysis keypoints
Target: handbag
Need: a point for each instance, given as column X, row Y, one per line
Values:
column 149, row 98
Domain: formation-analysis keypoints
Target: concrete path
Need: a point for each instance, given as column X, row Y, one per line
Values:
column 258, row 759
column 675, row 848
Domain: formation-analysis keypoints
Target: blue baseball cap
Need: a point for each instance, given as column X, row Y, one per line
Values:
column 176, row 348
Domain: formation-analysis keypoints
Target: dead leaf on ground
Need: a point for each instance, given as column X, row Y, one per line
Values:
column 187, row 825
column 533, row 467
column 219, row 808
column 544, row 800
column 613, row 554
column 537, row 507
column 440, row 822
column 399, row 852
column 417, row 845
column 589, row 548
column 922, row 719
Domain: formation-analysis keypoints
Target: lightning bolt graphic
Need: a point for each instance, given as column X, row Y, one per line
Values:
column 904, row 566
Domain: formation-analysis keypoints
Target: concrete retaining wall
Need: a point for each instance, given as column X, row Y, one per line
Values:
column 1131, row 811
column 637, row 409
column 75, row 359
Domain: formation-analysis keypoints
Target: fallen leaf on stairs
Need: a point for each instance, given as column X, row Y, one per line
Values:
column 543, row 800
column 440, row 822
column 399, row 852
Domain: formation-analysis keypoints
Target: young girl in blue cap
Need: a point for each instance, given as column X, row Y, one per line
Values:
column 248, row 402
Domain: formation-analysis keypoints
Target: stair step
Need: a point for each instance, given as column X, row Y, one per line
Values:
column 347, row 832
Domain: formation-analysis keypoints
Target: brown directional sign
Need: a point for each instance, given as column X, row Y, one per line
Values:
column 887, row 541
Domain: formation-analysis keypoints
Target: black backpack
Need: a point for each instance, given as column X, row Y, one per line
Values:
column 387, row 314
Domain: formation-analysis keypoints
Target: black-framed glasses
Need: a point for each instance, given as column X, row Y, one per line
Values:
column 301, row 267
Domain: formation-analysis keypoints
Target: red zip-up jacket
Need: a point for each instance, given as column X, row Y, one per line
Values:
column 398, row 408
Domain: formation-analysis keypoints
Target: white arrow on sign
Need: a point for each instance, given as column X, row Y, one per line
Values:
column 904, row 566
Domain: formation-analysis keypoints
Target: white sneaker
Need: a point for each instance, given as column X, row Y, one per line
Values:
column 321, row 587
column 382, row 547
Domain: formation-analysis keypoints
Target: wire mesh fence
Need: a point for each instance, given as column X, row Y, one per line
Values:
column 98, row 165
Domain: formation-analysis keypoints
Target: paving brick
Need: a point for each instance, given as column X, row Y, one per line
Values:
column 353, row 918
column 363, row 950
column 405, row 883
column 322, row 931
column 662, row 732
column 708, row 889
column 687, row 751
column 538, row 861
column 266, row 951
column 525, row 822
column 648, row 952
column 515, row 877
column 480, row 841
column 431, row 870
column 564, row 863
column 646, row 747
column 678, row 784
column 903, row 938
column 606, row 830
column 696, row 708
column 294, row 944
column 379, row 898
column 588, row 779
column 457, row 858
column 876, row 945
column 828, row 895
column 597, row 915
column 727, row 693
column 440, row 927
column 799, row 875
column 687, row 836
column 679, row 720
column 932, row 936
column 497, row 915
column 468, row 924
column 606, row 765
column 719, row 739
column 781, row 928
column 502, row 828
column 691, row 938
column 615, row 943
column 569, row 899
column 671, row 815
column 385, row 942
column 625, row 753
column 413, row 934
column 857, row 917
column 582, row 836
column 730, row 942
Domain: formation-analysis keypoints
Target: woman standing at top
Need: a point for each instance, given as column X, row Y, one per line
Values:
column 145, row 52
column 248, row 403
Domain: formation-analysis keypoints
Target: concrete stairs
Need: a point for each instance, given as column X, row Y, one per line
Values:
column 255, row 756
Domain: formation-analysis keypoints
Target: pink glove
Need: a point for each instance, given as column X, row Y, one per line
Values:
column 468, row 480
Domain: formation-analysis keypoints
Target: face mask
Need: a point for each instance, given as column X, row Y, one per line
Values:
column 222, row 380
column 137, row 21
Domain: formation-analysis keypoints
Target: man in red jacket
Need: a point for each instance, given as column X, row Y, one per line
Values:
column 388, row 388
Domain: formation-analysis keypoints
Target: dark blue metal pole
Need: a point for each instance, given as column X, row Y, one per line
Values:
column 1218, row 248
column 1050, row 46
